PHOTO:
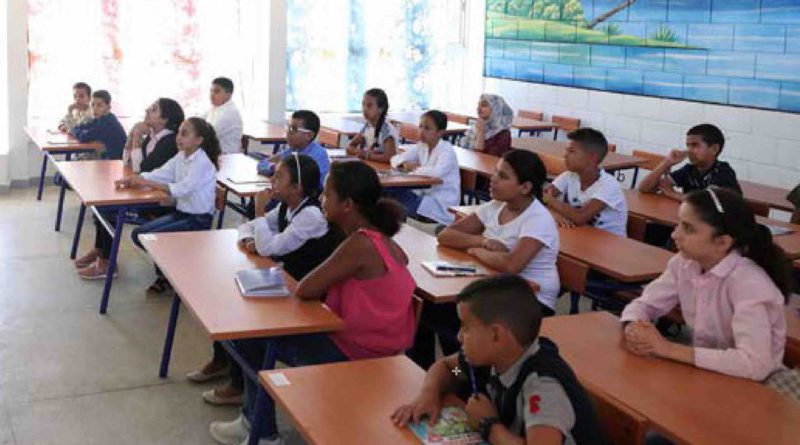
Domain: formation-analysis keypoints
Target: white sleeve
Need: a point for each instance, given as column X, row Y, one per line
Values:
column 199, row 173
column 272, row 219
column 539, row 228
column 486, row 213
column 306, row 225
column 164, row 174
column 247, row 230
column 444, row 162
column 561, row 182
column 610, row 194
column 410, row 154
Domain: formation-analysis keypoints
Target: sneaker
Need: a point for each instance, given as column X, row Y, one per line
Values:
column 278, row 440
column 211, row 396
column 95, row 272
column 231, row 433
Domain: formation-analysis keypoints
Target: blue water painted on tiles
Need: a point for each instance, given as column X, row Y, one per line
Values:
column 739, row 52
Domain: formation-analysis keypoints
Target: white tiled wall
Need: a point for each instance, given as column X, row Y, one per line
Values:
column 762, row 146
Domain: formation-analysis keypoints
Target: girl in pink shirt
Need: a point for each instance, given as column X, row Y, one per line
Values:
column 731, row 282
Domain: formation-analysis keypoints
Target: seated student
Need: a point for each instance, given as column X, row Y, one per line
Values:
column 514, row 233
column 704, row 144
column 301, row 137
column 295, row 233
column 585, row 194
column 377, row 141
column 435, row 157
column 794, row 198
column 533, row 394
column 224, row 116
column 190, row 178
column 144, row 154
column 79, row 111
column 731, row 283
column 104, row 128
column 491, row 132
column 367, row 285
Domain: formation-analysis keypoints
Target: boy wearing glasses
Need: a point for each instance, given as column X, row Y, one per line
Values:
column 301, row 138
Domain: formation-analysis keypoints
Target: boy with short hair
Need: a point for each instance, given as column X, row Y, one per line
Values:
column 704, row 144
column 533, row 393
column 301, row 137
column 588, row 194
column 224, row 116
column 104, row 128
column 78, row 111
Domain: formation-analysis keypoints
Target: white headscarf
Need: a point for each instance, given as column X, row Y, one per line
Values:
column 501, row 118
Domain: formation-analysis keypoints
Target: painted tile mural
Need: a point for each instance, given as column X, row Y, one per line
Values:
column 736, row 52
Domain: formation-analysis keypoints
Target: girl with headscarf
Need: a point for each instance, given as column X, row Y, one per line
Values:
column 491, row 132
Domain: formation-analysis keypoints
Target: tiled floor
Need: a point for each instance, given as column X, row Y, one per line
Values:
column 71, row 376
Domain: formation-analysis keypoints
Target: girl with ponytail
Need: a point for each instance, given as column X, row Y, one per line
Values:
column 377, row 140
column 731, row 282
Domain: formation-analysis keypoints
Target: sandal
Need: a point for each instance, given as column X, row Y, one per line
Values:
column 159, row 286
column 95, row 272
column 87, row 260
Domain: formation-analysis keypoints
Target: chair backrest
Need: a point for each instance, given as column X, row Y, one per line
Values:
column 219, row 198
column 622, row 425
column 530, row 114
column 572, row 274
column 555, row 165
column 759, row 208
column 567, row 124
column 409, row 132
column 329, row 138
column 457, row 118
column 637, row 225
column 653, row 159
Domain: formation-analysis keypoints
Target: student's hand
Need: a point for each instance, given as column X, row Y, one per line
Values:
column 479, row 407
column 476, row 251
column 494, row 245
column 123, row 183
column 62, row 128
column 135, row 180
column 263, row 198
column 480, row 126
column 642, row 338
column 139, row 130
column 409, row 166
column 675, row 156
column 249, row 245
column 665, row 184
column 563, row 222
column 424, row 405
column 352, row 150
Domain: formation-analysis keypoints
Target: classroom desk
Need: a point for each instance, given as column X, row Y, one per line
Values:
column 238, row 174
column 420, row 246
column 475, row 161
column 93, row 182
column 349, row 402
column 454, row 129
column 690, row 405
column 266, row 132
column 633, row 261
column 531, row 126
column 773, row 197
column 792, row 356
column 203, row 280
column 552, row 154
column 52, row 143
column 393, row 179
column 664, row 210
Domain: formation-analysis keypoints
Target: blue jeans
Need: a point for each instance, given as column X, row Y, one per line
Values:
column 407, row 197
column 295, row 350
column 176, row 221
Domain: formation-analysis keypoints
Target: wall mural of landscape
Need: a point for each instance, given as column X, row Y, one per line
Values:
column 735, row 52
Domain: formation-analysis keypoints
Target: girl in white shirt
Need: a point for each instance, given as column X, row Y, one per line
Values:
column 433, row 157
column 190, row 178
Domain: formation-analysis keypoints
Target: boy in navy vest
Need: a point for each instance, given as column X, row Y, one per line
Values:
column 518, row 385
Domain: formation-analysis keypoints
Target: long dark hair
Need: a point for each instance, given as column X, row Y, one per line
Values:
column 383, row 104
column 751, row 239
column 308, row 173
column 210, row 141
column 359, row 182
column 528, row 168
column 172, row 112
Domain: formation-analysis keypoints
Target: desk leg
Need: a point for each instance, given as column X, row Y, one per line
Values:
column 173, row 321
column 76, row 239
column 41, row 177
column 221, row 216
column 60, row 209
column 635, row 175
column 112, row 260
column 263, row 399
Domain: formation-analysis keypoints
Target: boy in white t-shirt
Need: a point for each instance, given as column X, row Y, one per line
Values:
column 585, row 194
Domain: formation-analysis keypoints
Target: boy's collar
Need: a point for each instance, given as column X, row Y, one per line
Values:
column 508, row 377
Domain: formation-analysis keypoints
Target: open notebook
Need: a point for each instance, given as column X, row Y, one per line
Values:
column 262, row 282
column 452, row 428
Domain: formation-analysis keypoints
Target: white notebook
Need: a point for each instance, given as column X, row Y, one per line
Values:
column 262, row 282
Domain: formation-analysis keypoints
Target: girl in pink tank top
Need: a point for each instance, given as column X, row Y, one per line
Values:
column 366, row 280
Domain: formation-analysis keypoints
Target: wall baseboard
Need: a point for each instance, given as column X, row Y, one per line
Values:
column 24, row 183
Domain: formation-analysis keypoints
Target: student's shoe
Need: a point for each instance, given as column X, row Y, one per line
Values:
column 230, row 433
column 86, row 260
column 95, row 272
column 160, row 285
column 200, row 377
column 213, row 398
column 276, row 441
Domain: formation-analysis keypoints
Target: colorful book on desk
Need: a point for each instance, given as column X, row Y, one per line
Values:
column 451, row 429
column 262, row 283
column 453, row 269
column 778, row 230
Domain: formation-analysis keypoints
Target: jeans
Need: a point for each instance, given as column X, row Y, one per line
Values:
column 295, row 350
column 221, row 357
column 176, row 221
column 407, row 198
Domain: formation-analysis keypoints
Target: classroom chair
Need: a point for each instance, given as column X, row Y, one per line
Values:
column 409, row 133
column 572, row 274
column 469, row 195
column 554, row 165
column 530, row 114
column 458, row 118
column 329, row 138
column 245, row 143
column 636, row 227
column 565, row 123
column 622, row 425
